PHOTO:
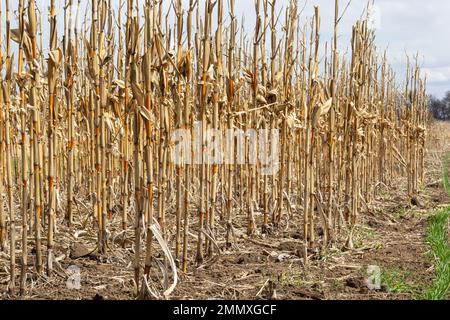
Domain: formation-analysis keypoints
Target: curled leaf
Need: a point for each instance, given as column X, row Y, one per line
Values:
column 56, row 56
column 119, row 83
column 15, row 35
column 325, row 108
column 145, row 113
column 261, row 99
column 319, row 111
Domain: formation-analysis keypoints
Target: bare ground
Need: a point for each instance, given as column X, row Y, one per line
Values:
column 390, row 235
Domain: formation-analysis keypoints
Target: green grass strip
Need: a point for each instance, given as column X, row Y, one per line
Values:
column 437, row 237
column 445, row 175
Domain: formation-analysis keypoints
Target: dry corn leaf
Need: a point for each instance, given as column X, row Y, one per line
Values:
column 145, row 113
column 325, row 108
column 15, row 35
column 260, row 99
column 56, row 56
column 138, row 94
column 211, row 73
column 109, row 120
column 320, row 111
column 119, row 83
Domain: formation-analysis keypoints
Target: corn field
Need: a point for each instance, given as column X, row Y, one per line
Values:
column 87, row 123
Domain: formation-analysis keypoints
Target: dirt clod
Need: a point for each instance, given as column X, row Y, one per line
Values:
column 78, row 250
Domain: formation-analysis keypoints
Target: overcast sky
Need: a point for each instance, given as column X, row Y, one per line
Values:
column 403, row 26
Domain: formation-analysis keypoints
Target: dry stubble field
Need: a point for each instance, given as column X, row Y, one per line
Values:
column 390, row 235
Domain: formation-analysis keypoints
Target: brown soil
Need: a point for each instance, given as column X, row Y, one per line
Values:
column 391, row 235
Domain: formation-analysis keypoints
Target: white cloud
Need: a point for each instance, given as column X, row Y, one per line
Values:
column 441, row 74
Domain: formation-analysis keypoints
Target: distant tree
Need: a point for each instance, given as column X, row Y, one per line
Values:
column 440, row 108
